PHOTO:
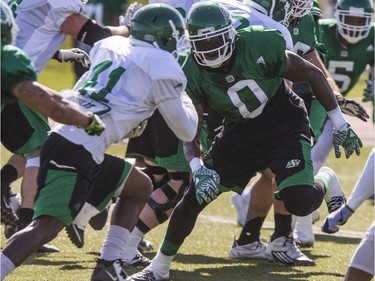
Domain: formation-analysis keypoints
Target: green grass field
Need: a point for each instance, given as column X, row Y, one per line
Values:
column 204, row 255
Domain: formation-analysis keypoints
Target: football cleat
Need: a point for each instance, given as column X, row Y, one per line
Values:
column 334, row 196
column 98, row 221
column 146, row 274
column 138, row 261
column 145, row 246
column 109, row 271
column 304, row 237
column 75, row 234
column 241, row 208
column 8, row 216
column 284, row 250
column 46, row 248
column 253, row 250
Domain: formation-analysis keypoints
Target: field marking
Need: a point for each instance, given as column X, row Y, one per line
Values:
column 270, row 225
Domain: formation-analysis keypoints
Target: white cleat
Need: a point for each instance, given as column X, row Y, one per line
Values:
column 284, row 250
column 253, row 250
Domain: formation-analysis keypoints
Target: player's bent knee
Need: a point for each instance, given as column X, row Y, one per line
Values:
column 298, row 200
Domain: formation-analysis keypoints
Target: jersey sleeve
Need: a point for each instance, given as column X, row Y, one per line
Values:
column 16, row 67
column 60, row 10
column 192, row 73
column 266, row 49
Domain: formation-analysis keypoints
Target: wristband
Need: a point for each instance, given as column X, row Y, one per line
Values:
column 337, row 118
column 195, row 163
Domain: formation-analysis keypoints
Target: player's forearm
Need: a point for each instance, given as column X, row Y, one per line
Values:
column 48, row 103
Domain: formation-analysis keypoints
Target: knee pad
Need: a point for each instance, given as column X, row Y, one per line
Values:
column 299, row 200
column 156, row 170
column 173, row 198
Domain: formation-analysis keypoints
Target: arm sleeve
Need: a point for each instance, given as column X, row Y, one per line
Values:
column 181, row 116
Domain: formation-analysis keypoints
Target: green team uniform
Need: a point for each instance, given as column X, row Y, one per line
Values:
column 23, row 129
column 303, row 32
column 346, row 64
column 265, row 124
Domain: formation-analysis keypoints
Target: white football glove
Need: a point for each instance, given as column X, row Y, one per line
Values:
column 75, row 54
column 338, row 217
column 126, row 20
column 352, row 108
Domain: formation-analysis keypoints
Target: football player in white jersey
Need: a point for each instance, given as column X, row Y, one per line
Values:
column 128, row 79
column 44, row 25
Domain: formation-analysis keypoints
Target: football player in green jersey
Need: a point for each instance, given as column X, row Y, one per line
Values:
column 241, row 76
column 302, row 29
column 349, row 40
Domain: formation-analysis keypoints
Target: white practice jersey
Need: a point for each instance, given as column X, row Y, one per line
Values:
column 133, row 78
column 243, row 14
column 39, row 23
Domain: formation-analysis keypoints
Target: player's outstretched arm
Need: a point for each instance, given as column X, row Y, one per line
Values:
column 49, row 103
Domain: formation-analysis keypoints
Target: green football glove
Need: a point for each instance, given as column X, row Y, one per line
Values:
column 206, row 184
column 348, row 139
column 368, row 94
column 95, row 127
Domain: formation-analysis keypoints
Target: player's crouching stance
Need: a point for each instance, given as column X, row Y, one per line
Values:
column 74, row 165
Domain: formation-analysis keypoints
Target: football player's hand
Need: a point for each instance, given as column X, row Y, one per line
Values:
column 95, row 126
column 348, row 139
column 206, row 184
column 352, row 108
column 127, row 19
column 137, row 131
column 72, row 55
column 368, row 94
column 338, row 217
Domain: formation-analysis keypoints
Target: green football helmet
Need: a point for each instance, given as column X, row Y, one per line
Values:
column 301, row 7
column 278, row 10
column 211, row 33
column 8, row 25
column 361, row 11
column 162, row 26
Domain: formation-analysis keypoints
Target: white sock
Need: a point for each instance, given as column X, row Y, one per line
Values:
column 130, row 249
column 160, row 265
column 304, row 223
column 364, row 187
column 86, row 213
column 6, row 266
column 246, row 193
column 114, row 242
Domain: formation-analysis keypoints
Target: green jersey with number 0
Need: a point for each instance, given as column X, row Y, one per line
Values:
column 254, row 77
